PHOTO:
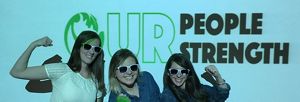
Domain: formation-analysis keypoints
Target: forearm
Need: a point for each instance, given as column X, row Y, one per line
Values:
column 21, row 64
column 219, row 79
column 220, row 82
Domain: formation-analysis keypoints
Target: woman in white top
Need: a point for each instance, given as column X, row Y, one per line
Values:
column 79, row 80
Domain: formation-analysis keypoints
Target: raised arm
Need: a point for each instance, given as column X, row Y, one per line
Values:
column 22, row 71
column 220, row 90
column 214, row 73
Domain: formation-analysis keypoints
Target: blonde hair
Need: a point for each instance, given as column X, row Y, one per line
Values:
column 119, row 57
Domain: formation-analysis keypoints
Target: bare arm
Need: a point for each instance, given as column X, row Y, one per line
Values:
column 42, row 86
column 22, row 71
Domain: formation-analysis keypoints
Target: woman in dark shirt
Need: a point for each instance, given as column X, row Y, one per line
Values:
column 126, row 81
column 181, row 83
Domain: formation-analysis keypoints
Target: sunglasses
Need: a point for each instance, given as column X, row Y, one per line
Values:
column 123, row 69
column 89, row 47
column 174, row 71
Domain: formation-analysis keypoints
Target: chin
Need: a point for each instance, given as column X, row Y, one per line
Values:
column 178, row 84
column 129, row 84
column 88, row 61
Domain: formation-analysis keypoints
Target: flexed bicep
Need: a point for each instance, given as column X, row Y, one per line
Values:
column 21, row 69
column 33, row 73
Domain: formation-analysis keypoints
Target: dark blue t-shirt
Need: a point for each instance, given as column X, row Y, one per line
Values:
column 148, row 90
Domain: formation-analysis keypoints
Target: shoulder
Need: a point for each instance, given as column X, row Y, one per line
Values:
column 56, row 65
column 55, row 70
column 146, row 75
column 146, row 80
column 167, row 91
column 167, row 95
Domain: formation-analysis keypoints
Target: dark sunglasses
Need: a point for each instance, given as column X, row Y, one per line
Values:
column 123, row 69
column 88, row 47
column 174, row 71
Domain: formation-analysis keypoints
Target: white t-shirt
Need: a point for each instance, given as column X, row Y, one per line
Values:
column 69, row 86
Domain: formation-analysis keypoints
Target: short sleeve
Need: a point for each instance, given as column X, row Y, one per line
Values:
column 56, row 70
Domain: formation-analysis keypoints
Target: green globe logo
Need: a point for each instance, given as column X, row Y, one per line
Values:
column 78, row 23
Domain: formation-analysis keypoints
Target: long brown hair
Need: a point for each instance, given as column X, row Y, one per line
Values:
column 192, row 83
column 96, row 67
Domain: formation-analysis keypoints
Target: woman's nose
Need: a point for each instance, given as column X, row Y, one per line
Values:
column 178, row 75
column 128, row 71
